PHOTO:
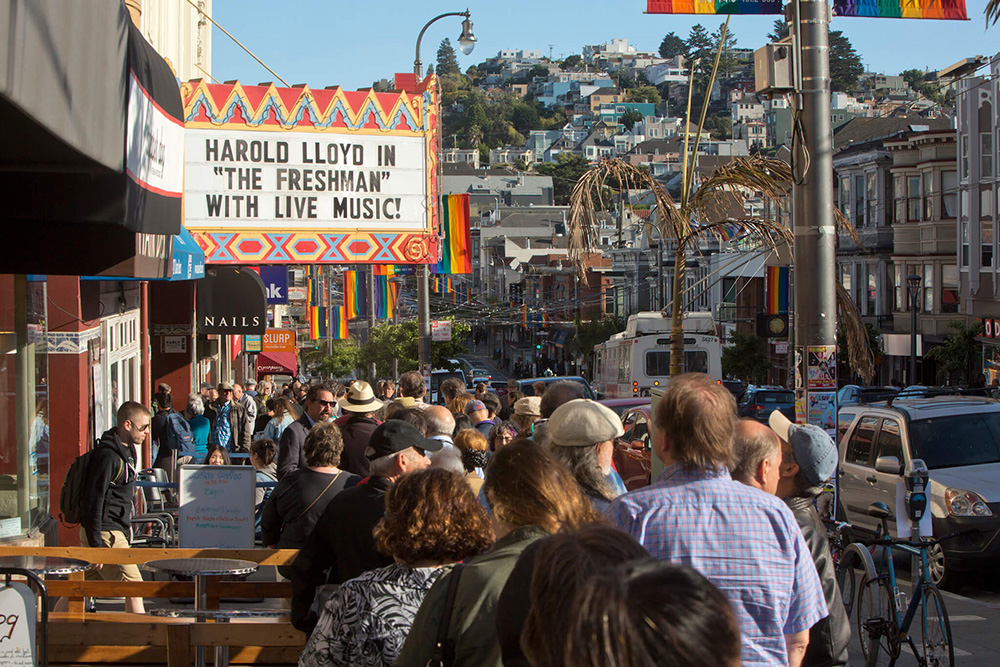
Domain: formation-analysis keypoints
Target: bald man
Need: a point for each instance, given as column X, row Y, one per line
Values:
column 757, row 449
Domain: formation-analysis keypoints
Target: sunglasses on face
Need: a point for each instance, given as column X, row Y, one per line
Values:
column 328, row 404
column 141, row 428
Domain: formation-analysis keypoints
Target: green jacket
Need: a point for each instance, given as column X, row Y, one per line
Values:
column 473, row 619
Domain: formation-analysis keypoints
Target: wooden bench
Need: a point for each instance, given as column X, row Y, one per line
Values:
column 79, row 638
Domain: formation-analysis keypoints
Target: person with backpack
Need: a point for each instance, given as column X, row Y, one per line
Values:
column 105, row 493
column 163, row 403
column 263, row 455
column 175, row 435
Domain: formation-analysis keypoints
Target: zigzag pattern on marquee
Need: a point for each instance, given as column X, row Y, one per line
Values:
column 213, row 104
column 314, row 248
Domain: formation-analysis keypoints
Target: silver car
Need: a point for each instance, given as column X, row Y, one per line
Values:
column 958, row 437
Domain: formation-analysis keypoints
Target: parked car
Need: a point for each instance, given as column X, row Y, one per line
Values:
column 958, row 438
column 633, row 450
column 854, row 394
column 527, row 387
column 759, row 402
column 620, row 405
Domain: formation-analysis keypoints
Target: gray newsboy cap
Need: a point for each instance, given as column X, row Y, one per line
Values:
column 583, row 422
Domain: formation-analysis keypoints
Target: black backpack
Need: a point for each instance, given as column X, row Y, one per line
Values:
column 71, row 494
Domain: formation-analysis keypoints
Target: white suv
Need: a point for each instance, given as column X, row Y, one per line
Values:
column 958, row 437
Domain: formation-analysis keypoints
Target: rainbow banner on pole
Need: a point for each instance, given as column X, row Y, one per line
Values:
column 456, row 253
column 953, row 10
column 887, row 9
column 776, row 290
column 354, row 294
column 339, row 316
column 385, row 291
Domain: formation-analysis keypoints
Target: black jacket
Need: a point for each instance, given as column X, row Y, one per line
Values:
column 828, row 639
column 357, row 430
column 341, row 546
column 290, row 454
column 107, row 497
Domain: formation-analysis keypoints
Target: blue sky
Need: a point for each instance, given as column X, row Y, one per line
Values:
column 351, row 44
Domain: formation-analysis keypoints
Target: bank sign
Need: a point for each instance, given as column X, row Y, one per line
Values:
column 299, row 176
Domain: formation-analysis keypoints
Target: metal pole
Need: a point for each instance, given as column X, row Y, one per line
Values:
column 372, row 370
column 913, row 335
column 812, row 203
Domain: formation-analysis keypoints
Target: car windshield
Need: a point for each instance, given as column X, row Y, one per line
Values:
column 959, row 440
column 775, row 397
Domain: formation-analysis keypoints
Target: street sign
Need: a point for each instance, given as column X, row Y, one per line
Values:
column 275, row 280
column 441, row 331
column 781, row 347
column 252, row 343
column 297, row 293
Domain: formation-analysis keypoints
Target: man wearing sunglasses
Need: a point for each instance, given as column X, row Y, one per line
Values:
column 232, row 427
column 320, row 404
column 107, row 496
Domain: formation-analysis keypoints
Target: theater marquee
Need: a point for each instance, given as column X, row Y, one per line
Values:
column 294, row 175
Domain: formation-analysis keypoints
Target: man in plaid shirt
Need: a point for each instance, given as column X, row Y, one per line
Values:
column 743, row 540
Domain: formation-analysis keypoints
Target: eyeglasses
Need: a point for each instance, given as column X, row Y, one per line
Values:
column 328, row 404
column 226, row 391
column 141, row 428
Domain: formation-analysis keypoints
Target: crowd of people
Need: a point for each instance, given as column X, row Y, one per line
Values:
column 496, row 531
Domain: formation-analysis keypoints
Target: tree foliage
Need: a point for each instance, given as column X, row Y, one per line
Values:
column 746, row 358
column 643, row 94
column 778, row 31
column 565, row 172
column 727, row 59
column 699, row 46
column 915, row 79
column 629, row 119
column 845, row 63
column 958, row 353
column 593, row 333
column 388, row 342
column 672, row 45
column 571, row 62
column 447, row 61
column 343, row 361
column 719, row 126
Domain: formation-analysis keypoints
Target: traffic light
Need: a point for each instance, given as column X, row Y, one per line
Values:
column 538, row 346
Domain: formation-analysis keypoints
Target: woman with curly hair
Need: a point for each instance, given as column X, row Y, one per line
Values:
column 532, row 495
column 432, row 521
column 472, row 444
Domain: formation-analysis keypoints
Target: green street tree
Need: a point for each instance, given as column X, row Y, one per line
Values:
column 571, row 62
column 746, row 359
column 778, row 31
column 672, row 45
column 643, row 94
column 388, row 342
column 845, row 63
column 959, row 353
column 566, row 171
column 629, row 119
column 727, row 59
column 447, row 61
column 342, row 361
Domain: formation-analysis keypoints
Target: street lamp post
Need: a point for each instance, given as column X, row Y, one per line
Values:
column 466, row 42
column 913, row 286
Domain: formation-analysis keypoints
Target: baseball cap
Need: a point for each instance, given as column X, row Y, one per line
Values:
column 529, row 405
column 813, row 449
column 583, row 422
column 474, row 405
column 394, row 436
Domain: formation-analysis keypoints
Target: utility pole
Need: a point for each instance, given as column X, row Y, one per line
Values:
column 812, row 212
column 372, row 370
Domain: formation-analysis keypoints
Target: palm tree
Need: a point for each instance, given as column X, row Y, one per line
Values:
column 992, row 11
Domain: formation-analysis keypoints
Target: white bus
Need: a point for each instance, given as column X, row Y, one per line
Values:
column 634, row 361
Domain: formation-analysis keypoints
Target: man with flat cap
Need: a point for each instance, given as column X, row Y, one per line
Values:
column 341, row 546
column 808, row 460
column 583, row 436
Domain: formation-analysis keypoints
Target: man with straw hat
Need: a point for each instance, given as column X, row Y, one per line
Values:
column 357, row 425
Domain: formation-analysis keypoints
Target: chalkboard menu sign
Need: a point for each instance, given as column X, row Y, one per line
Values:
column 216, row 507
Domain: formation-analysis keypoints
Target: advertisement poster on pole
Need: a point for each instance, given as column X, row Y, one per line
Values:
column 821, row 367
column 823, row 410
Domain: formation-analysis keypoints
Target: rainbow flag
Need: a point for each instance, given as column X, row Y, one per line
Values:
column 727, row 232
column 776, row 290
column 385, row 290
column 952, row 10
column 354, row 294
column 456, row 253
column 339, row 315
column 315, row 323
column 714, row 6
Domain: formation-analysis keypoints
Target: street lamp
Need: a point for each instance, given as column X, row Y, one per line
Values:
column 466, row 41
column 913, row 286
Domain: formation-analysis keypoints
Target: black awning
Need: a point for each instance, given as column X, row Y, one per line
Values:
column 93, row 126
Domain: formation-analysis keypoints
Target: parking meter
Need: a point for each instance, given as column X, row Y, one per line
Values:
column 917, row 481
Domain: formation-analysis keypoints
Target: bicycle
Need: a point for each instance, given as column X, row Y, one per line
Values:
column 884, row 618
column 838, row 535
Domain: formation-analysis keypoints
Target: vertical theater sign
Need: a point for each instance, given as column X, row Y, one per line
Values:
column 295, row 175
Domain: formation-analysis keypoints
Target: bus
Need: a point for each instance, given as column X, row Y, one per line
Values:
column 634, row 361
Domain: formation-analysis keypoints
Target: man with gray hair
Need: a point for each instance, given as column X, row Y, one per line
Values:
column 341, row 542
column 582, row 434
column 558, row 393
column 758, row 454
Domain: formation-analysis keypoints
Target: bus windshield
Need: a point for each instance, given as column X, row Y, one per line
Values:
column 658, row 362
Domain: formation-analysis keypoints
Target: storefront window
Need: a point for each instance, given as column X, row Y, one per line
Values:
column 24, row 409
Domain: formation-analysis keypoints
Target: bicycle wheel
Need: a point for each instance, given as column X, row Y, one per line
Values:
column 935, row 629
column 847, row 580
column 876, row 623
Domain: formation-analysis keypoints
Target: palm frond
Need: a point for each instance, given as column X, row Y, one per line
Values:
column 844, row 225
column 859, row 353
column 765, row 177
column 769, row 233
column 992, row 12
